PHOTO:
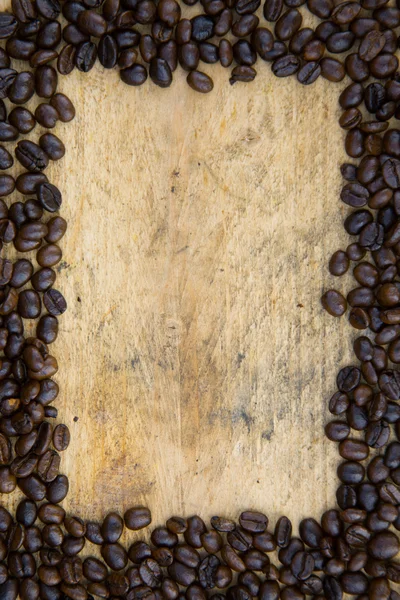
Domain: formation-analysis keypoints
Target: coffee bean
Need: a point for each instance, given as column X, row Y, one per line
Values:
column 31, row 156
column 46, row 80
column 54, row 302
column 383, row 546
column 283, row 532
column 286, row 65
column 138, row 517
column 85, row 56
column 108, row 51
column 47, row 329
column 195, row 528
column 49, row 255
column 135, row 75
column 92, row 23
column 22, row 120
column 29, row 304
column 334, row 303
column 200, row 82
column 160, row 72
column 115, row 556
column 66, row 59
column 94, row 569
column 46, row 115
column 52, row 146
column 112, row 528
column 93, row 533
column 61, row 437
column 22, row 88
column 49, row 196
column 202, row 28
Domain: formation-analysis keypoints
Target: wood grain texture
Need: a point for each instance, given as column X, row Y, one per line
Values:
column 195, row 353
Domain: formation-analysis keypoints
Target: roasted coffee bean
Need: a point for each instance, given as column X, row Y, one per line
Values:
column 93, row 533
column 91, row 23
column 195, row 528
column 49, row 255
column 43, row 279
column 286, row 65
column 94, row 569
column 334, row 303
column 47, row 329
column 383, row 546
column 22, row 120
column 52, row 146
column 137, row 518
column 112, row 528
column 160, row 72
column 135, row 75
column 66, row 59
column 49, row 35
column 22, row 88
column 29, row 304
column 46, row 115
column 115, row 556
column 169, row 11
column 138, row 551
column 31, row 156
column 200, row 82
column 212, row 542
column 85, row 56
column 283, row 532
column 107, row 52
column 202, row 28
column 46, row 80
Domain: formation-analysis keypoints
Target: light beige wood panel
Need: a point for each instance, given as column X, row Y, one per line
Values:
column 195, row 354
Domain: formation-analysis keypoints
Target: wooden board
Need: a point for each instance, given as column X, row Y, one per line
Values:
column 196, row 362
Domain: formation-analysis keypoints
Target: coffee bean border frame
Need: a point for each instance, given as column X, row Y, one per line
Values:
column 351, row 549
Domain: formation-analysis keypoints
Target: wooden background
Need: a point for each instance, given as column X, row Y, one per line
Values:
column 196, row 362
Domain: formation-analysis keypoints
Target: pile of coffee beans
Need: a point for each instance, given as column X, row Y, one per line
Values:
column 352, row 548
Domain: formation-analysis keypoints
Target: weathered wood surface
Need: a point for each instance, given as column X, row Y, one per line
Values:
column 195, row 353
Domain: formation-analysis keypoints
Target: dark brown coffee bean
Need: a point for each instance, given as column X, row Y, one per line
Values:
column 285, row 65
column 54, row 302
column 355, row 450
column 22, row 120
column 160, row 72
column 212, row 542
column 31, row 156
column 66, row 59
column 112, row 528
column 272, row 9
column 49, row 255
column 135, row 75
column 29, row 304
column 46, row 80
column 46, row 115
column 288, row 24
column 94, row 569
column 52, row 146
column 91, row 23
column 32, row 487
column 64, row 107
column 202, row 28
column 334, row 303
column 137, row 517
column 115, row 556
column 200, row 82
column 283, row 532
column 85, row 56
column 195, row 528
column 383, row 546
column 47, row 329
